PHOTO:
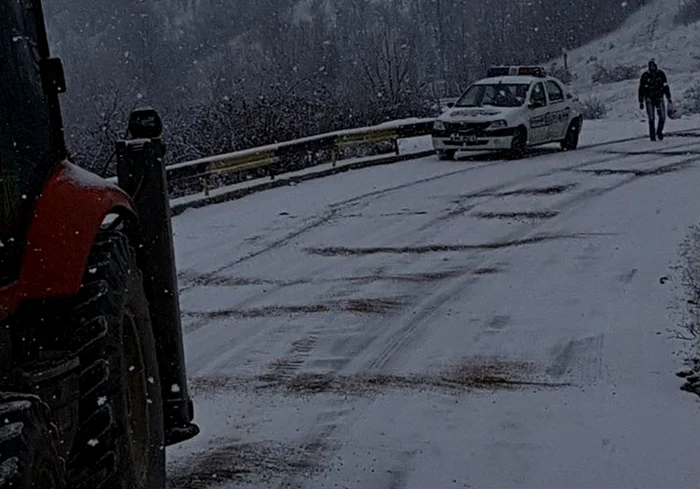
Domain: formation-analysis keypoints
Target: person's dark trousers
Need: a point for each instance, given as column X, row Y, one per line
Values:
column 660, row 108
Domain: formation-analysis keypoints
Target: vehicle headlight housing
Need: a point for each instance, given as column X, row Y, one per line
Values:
column 439, row 126
column 498, row 124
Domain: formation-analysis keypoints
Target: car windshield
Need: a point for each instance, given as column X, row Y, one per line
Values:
column 495, row 95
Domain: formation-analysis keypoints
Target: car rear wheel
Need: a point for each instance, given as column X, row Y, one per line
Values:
column 570, row 141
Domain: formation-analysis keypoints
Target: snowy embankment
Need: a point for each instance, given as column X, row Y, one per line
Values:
column 652, row 32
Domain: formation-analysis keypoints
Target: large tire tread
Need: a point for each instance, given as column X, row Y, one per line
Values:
column 112, row 287
column 28, row 445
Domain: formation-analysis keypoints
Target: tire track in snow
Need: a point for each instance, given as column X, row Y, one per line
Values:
column 343, row 205
column 360, row 338
column 192, row 279
column 409, row 331
column 338, row 207
column 579, row 360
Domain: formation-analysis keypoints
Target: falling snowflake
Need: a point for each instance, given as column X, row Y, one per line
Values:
column 93, row 442
column 101, row 401
column 151, row 380
column 92, row 270
column 175, row 388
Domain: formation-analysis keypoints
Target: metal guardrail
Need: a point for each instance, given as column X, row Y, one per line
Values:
column 206, row 173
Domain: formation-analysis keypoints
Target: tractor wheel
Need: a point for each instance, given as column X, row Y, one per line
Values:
column 518, row 144
column 28, row 445
column 120, row 437
column 570, row 141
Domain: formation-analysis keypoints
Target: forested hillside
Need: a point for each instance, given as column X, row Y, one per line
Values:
column 233, row 74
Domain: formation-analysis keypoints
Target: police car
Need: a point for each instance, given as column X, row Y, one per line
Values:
column 515, row 107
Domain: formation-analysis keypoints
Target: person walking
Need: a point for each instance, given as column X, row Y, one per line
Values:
column 653, row 86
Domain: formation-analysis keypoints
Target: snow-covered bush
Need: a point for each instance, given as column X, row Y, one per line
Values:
column 689, row 103
column 561, row 73
column 593, row 108
column 619, row 73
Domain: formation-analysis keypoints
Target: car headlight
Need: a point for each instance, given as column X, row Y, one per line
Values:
column 498, row 124
column 439, row 126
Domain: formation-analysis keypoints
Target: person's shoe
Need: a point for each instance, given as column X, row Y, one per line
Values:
column 660, row 136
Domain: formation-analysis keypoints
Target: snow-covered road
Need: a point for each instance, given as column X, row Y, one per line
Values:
column 477, row 323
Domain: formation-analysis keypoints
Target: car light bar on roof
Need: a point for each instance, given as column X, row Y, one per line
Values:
column 516, row 70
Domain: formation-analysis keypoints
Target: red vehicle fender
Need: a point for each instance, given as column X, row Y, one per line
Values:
column 65, row 222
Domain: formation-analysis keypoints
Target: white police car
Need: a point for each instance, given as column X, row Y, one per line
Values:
column 515, row 107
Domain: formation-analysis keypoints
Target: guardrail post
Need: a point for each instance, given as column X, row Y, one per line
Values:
column 396, row 145
column 334, row 157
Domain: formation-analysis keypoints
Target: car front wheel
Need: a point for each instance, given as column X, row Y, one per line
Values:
column 446, row 154
column 518, row 143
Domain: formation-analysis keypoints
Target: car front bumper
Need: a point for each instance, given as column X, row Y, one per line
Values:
column 474, row 140
column 480, row 143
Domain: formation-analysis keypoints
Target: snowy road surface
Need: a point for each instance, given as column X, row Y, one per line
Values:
column 477, row 323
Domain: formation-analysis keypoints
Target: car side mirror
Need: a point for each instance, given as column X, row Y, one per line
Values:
column 450, row 105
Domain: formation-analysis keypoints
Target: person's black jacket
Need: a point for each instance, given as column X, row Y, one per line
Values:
column 654, row 86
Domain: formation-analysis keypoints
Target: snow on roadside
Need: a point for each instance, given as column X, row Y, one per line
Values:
column 687, row 310
column 649, row 32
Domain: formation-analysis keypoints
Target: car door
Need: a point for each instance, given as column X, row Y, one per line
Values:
column 559, row 111
column 538, row 111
